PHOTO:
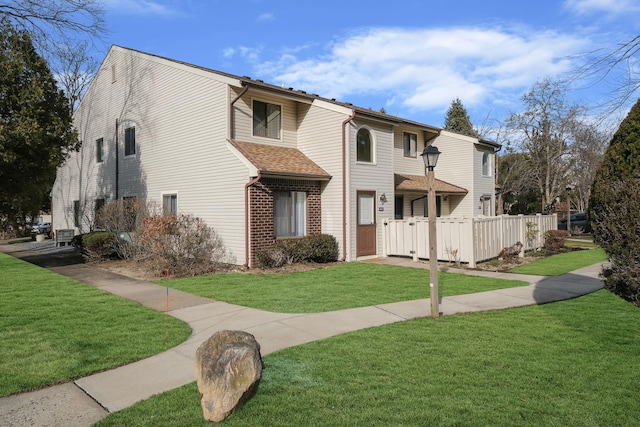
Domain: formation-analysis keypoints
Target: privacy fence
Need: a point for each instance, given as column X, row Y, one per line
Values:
column 466, row 240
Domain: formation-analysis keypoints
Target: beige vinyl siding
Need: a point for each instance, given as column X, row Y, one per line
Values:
column 456, row 165
column 483, row 185
column 181, row 119
column 320, row 139
column 244, row 119
column 407, row 165
column 377, row 176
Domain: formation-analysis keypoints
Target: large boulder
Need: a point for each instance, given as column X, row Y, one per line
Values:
column 228, row 372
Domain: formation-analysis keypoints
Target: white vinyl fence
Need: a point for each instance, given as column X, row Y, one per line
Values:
column 467, row 240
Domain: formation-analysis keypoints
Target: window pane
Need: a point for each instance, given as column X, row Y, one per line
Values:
column 130, row 141
column 99, row 150
column 410, row 143
column 266, row 119
column 364, row 147
column 365, row 209
column 485, row 164
column 170, row 204
column 300, row 214
column 281, row 213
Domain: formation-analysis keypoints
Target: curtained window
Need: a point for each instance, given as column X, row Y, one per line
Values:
column 266, row 119
column 290, row 213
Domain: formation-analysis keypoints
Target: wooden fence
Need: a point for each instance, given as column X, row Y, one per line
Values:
column 466, row 240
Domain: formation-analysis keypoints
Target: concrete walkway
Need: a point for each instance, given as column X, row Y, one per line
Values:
column 89, row 399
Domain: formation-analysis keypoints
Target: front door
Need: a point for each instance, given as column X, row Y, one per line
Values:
column 366, row 227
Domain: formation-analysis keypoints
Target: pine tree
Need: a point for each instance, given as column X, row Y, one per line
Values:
column 458, row 121
column 614, row 209
column 35, row 129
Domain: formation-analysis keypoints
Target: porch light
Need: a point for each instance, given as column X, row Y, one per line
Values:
column 430, row 156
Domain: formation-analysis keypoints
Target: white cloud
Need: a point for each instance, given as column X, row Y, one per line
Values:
column 616, row 7
column 422, row 69
column 139, row 7
column 266, row 17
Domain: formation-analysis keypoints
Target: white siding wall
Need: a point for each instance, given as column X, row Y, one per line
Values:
column 320, row 139
column 181, row 128
column 484, row 185
column 377, row 177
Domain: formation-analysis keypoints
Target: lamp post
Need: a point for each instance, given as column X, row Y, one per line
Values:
column 430, row 157
column 568, row 190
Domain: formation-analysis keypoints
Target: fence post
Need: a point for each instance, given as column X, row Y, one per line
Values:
column 523, row 234
column 472, row 239
column 385, row 238
column 414, row 238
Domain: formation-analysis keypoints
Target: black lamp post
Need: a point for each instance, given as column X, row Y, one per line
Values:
column 430, row 157
column 568, row 190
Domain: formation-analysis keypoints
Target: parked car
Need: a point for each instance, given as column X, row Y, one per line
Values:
column 44, row 228
column 578, row 223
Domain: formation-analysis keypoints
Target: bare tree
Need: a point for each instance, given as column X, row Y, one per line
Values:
column 74, row 68
column 51, row 21
column 544, row 131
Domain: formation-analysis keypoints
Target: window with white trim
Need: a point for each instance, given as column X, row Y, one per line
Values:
column 267, row 119
column 410, row 143
column 170, row 204
column 486, row 164
column 130, row 141
column 289, row 213
column 364, row 146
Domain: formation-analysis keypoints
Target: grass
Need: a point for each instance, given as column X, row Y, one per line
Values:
column 338, row 287
column 53, row 328
column 556, row 265
column 571, row 363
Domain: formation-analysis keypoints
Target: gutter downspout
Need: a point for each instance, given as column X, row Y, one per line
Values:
column 117, row 160
column 246, row 217
column 344, row 184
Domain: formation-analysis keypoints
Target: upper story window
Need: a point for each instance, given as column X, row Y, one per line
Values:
column 267, row 119
column 364, row 141
column 99, row 150
column 410, row 143
column 170, row 204
column 486, row 164
column 130, row 141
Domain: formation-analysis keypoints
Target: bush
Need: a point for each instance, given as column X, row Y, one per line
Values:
column 614, row 208
column 178, row 245
column 97, row 245
column 554, row 241
column 320, row 248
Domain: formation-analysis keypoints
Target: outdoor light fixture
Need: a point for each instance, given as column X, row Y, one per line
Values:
column 430, row 156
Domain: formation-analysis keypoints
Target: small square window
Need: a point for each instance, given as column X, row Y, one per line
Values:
column 99, row 150
column 410, row 142
column 130, row 141
column 170, row 204
column 267, row 120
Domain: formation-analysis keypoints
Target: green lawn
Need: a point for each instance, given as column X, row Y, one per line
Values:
column 562, row 263
column 571, row 363
column 338, row 287
column 53, row 328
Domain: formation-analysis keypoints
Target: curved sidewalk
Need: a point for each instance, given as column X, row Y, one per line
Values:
column 89, row 399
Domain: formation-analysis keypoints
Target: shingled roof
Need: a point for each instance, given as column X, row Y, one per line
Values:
column 280, row 161
column 419, row 183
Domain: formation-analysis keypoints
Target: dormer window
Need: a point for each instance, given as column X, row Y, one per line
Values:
column 267, row 119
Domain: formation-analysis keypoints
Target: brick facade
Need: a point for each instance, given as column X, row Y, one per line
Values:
column 262, row 234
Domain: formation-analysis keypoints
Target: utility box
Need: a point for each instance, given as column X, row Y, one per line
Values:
column 64, row 237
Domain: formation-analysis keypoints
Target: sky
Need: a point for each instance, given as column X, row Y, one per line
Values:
column 410, row 57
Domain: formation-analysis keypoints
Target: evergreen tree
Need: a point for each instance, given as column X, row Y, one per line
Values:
column 614, row 209
column 36, row 130
column 458, row 121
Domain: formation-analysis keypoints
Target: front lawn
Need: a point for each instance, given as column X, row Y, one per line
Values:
column 555, row 364
column 338, row 287
column 556, row 265
column 54, row 329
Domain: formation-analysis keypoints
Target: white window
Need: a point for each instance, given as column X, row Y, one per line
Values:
column 99, row 150
column 486, row 164
column 290, row 213
column 170, row 204
column 130, row 141
column 267, row 119
column 410, row 142
column 364, row 141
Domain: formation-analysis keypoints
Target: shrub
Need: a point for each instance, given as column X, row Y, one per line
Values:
column 97, row 245
column 554, row 241
column 320, row 248
column 614, row 207
column 179, row 245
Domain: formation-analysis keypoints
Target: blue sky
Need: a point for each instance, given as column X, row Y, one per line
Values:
column 412, row 57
